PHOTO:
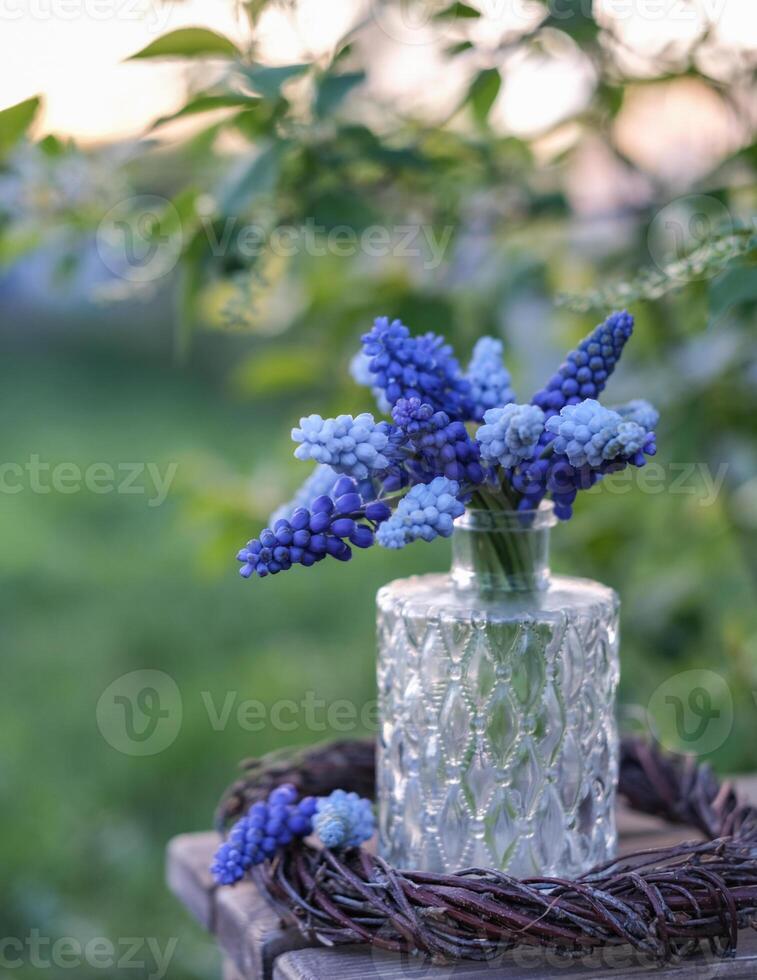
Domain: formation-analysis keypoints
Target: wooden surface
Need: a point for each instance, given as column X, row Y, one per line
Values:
column 257, row 948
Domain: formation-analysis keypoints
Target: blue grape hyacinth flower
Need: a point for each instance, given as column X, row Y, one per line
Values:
column 584, row 372
column 426, row 512
column 327, row 528
column 421, row 367
column 360, row 370
column 489, row 378
column 641, row 411
column 440, row 447
column 267, row 826
column 510, row 434
column 590, row 434
column 353, row 446
column 321, row 481
column 343, row 819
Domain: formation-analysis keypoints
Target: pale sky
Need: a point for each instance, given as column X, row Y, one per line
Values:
column 72, row 52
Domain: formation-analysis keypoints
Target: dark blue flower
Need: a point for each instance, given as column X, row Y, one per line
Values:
column 267, row 826
column 421, row 367
column 584, row 372
column 433, row 445
column 327, row 528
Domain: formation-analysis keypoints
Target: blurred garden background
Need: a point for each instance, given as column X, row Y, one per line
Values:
column 192, row 241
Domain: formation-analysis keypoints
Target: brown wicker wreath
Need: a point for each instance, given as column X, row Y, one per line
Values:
column 662, row 902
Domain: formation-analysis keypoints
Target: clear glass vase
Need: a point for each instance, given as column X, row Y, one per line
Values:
column 498, row 745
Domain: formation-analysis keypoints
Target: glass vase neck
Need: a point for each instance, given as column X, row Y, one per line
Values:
column 502, row 551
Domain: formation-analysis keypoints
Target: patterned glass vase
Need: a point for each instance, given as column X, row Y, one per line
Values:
column 498, row 745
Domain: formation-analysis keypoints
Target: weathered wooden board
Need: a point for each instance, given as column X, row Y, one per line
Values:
column 251, row 936
column 359, row 963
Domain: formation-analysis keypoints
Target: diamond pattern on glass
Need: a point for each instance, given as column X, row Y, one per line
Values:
column 497, row 739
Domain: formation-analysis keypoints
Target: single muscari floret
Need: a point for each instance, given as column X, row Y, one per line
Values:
column 427, row 511
column 343, row 819
column 590, row 434
column 416, row 367
column 440, row 447
column 353, row 446
column 312, row 534
column 360, row 370
column 510, row 434
column 585, row 371
column 639, row 410
column 267, row 826
column 489, row 378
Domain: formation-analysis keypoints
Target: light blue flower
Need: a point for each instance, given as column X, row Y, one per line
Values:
column 589, row 433
column 510, row 434
column 489, row 378
column 641, row 411
column 352, row 446
column 426, row 512
column 343, row 819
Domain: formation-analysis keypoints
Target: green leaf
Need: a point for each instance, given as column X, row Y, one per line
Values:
column 253, row 9
column 207, row 103
column 15, row 120
column 458, row 48
column 333, row 89
column 259, row 178
column 483, row 91
column 267, row 81
column 189, row 42
column 455, row 10
column 574, row 19
column 51, row 146
column 735, row 286
column 611, row 96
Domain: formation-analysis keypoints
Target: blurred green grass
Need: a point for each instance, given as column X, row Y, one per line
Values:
column 96, row 586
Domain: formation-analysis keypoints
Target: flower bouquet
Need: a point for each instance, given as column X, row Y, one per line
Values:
column 393, row 482
column 497, row 682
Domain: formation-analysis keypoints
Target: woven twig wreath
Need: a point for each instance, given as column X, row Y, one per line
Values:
column 662, row 902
